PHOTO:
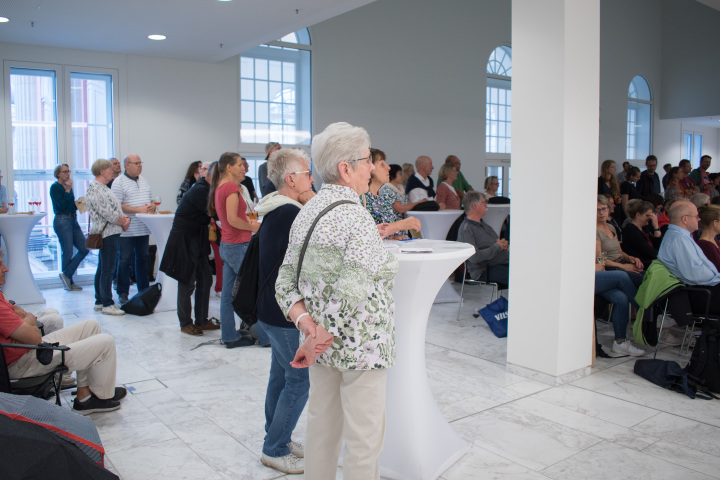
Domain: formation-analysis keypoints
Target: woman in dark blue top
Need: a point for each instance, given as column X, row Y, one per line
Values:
column 66, row 226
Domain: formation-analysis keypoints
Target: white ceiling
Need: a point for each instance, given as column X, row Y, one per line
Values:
column 195, row 29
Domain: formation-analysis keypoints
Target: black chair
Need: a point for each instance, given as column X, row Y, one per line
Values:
column 484, row 280
column 695, row 318
column 41, row 386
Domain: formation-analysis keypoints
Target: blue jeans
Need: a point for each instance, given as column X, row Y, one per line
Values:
column 287, row 391
column 105, row 270
column 128, row 245
column 232, row 255
column 70, row 235
column 616, row 287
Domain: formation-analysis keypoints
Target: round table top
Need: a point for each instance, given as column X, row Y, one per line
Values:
column 441, row 250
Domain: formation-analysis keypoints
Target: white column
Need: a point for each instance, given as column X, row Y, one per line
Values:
column 555, row 121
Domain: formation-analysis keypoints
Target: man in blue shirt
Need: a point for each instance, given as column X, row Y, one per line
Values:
column 684, row 258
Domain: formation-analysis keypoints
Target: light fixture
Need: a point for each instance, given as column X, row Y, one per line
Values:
column 157, row 37
column 224, row 0
column 4, row 19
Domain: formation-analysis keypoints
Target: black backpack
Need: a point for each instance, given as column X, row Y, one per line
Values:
column 705, row 360
column 670, row 375
column 246, row 282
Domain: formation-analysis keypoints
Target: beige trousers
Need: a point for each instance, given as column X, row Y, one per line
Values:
column 345, row 405
column 91, row 355
column 51, row 319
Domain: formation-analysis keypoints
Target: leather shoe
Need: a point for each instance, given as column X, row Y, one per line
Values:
column 209, row 325
column 120, row 393
column 191, row 329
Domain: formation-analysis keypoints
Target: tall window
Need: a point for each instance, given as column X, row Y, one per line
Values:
column 639, row 119
column 57, row 115
column 498, row 101
column 692, row 147
column 275, row 102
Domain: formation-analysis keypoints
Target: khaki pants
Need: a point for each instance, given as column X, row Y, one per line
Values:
column 345, row 405
column 51, row 319
column 91, row 355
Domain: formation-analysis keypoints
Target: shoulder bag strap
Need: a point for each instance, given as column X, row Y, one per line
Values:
column 309, row 234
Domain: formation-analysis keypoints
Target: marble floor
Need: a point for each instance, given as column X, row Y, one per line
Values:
column 197, row 413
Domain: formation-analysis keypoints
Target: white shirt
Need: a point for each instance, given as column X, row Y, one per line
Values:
column 133, row 194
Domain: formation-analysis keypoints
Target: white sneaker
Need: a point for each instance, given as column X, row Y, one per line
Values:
column 667, row 338
column 627, row 348
column 112, row 310
column 297, row 449
column 287, row 464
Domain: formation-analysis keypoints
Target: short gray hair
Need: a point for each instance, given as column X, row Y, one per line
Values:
column 283, row 162
column 700, row 199
column 339, row 142
column 471, row 198
column 100, row 165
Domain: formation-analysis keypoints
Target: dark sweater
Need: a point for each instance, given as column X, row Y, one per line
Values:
column 274, row 237
column 414, row 182
column 636, row 244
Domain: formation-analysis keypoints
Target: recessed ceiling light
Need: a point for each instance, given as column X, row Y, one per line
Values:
column 157, row 37
column 3, row 19
column 224, row 0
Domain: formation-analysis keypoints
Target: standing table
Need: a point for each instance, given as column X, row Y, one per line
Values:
column 419, row 442
column 435, row 226
column 160, row 225
column 19, row 282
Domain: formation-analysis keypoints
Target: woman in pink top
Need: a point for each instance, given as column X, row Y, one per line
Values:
column 446, row 196
column 225, row 200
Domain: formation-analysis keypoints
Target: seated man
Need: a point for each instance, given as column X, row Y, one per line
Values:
column 491, row 252
column 684, row 258
column 91, row 355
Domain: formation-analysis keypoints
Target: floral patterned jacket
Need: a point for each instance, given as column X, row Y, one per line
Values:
column 346, row 281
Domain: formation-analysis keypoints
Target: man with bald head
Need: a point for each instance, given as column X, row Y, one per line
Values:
column 684, row 258
column 420, row 186
column 135, row 196
column 117, row 170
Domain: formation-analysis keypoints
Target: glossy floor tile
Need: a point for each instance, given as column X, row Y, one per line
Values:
column 197, row 409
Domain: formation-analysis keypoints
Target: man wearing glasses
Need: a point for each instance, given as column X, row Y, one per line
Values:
column 684, row 258
column 135, row 196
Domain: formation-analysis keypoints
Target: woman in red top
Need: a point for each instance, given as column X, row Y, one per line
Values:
column 225, row 200
column 446, row 195
column 710, row 226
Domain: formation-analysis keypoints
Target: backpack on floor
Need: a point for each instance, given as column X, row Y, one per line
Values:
column 705, row 360
column 670, row 375
column 143, row 303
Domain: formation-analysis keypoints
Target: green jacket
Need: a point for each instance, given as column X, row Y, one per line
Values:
column 657, row 284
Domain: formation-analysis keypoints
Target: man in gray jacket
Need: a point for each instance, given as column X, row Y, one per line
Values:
column 491, row 252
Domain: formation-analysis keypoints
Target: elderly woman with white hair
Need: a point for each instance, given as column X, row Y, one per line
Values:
column 344, row 287
column 107, row 219
column 288, row 387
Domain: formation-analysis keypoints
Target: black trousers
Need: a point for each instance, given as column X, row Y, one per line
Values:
column 200, row 282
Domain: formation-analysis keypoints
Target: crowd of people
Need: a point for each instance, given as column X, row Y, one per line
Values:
column 642, row 218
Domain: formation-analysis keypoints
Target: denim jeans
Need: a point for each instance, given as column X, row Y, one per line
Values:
column 616, row 287
column 287, row 390
column 232, row 255
column 70, row 235
column 128, row 245
column 105, row 270
column 200, row 281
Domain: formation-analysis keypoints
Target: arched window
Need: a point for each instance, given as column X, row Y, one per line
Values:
column 498, row 101
column 275, row 92
column 639, row 119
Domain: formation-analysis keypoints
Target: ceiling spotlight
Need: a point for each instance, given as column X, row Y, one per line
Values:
column 224, row 0
column 157, row 37
column 3, row 19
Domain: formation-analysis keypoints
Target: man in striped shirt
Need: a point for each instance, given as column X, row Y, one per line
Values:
column 135, row 196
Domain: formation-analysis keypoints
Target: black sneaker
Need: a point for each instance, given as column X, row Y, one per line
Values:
column 120, row 393
column 95, row 405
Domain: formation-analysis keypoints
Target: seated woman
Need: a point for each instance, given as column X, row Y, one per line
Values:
column 491, row 186
column 627, row 189
column 445, row 193
column 393, row 193
column 611, row 219
column 408, row 170
column 641, row 236
column 710, row 226
column 380, row 209
column 607, row 243
column 672, row 190
column 616, row 288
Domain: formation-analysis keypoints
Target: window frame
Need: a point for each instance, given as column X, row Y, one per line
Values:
column 637, row 101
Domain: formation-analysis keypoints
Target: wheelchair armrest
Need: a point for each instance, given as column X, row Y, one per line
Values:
column 62, row 348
